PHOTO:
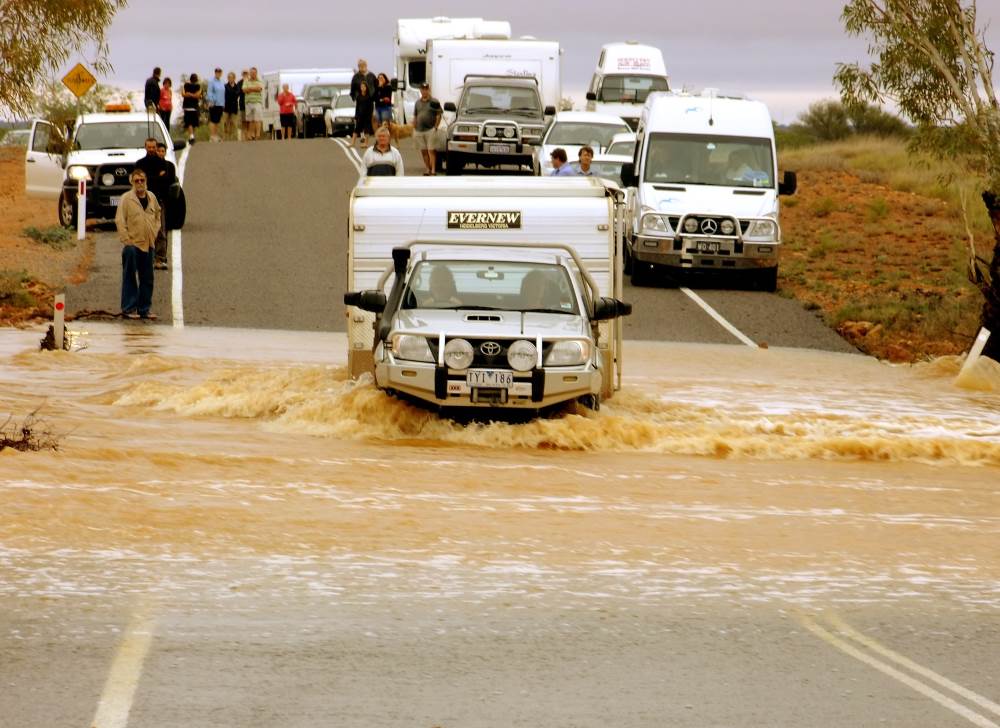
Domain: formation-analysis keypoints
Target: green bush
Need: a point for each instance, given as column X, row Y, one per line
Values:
column 55, row 235
column 13, row 290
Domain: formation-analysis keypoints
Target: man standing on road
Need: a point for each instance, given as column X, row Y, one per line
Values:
column 253, row 90
column 426, row 119
column 363, row 74
column 243, row 105
column 216, row 104
column 137, row 221
column 151, row 95
column 383, row 160
column 559, row 166
column 231, row 109
column 158, row 181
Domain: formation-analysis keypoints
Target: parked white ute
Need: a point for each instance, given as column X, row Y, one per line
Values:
column 573, row 130
column 705, row 194
column 101, row 154
column 489, row 325
column 626, row 74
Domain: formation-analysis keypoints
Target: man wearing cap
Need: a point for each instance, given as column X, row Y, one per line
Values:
column 426, row 119
column 216, row 104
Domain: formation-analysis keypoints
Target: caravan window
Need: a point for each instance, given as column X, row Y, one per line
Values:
column 700, row 159
column 630, row 89
column 416, row 72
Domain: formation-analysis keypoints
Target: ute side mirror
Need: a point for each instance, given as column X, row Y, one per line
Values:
column 591, row 96
column 789, row 184
column 628, row 175
column 373, row 301
column 397, row 85
column 610, row 308
column 179, row 144
column 449, row 106
column 550, row 111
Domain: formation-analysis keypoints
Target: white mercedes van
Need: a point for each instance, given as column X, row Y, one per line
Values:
column 627, row 73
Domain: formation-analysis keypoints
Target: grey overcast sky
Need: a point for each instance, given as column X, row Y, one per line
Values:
column 780, row 51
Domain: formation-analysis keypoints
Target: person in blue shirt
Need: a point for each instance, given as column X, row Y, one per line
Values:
column 586, row 157
column 216, row 104
column 559, row 166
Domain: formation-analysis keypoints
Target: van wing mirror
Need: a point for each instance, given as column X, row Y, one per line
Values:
column 610, row 308
column 373, row 301
column 591, row 96
column 449, row 106
column 397, row 85
column 550, row 111
column 628, row 175
column 179, row 144
column 789, row 184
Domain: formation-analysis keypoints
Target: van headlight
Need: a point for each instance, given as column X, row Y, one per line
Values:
column 78, row 172
column 568, row 353
column 522, row 355
column 411, row 348
column 458, row 354
column 762, row 231
column 656, row 224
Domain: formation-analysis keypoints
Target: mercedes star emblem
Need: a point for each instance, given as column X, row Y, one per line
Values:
column 709, row 227
column 490, row 348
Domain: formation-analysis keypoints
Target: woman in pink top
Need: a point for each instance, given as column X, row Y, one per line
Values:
column 166, row 101
column 286, row 108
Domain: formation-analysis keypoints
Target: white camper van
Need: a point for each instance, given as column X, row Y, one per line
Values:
column 410, row 51
column 704, row 188
column 625, row 76
column 297, row 79
column 450, row 62
column 386, row 212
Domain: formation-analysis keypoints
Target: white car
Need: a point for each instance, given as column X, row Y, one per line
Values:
column 622, row 144
column 573, row 130
column 608, row 166
column 340, row 118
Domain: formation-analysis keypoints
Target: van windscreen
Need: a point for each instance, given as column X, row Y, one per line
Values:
column 622, row 89
column 699, row 159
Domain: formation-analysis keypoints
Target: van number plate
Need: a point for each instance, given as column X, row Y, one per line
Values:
column 707, row 246
column 496, row 378
column 500, row 148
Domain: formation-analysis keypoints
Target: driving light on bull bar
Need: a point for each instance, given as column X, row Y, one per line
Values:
column 522, row 355
column 411, row 348
column 78, row 172
column 568, row 353
column 508, row 132
column 107, row 179
column 727, row 227
column 491, row 131
column 691, row 225
column 458, row 354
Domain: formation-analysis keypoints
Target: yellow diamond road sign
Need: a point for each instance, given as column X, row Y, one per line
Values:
column 79, row 80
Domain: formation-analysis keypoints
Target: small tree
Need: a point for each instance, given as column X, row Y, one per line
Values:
column 931, row 59
column 38, row 37
column 826, row 121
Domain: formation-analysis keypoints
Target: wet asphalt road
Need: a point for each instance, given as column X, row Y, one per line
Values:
column 265, row 246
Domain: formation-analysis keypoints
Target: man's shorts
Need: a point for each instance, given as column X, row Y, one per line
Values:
column 215, row 114
column 287, row 121
column 255, row 112
column 191, row 117
column 424, row 140
column 231, row 117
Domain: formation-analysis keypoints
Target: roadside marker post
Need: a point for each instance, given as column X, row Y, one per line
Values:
column 976, row 351
column 59, row 321
column 81, row 210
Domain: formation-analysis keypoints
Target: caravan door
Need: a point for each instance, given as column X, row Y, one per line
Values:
column 43, row 169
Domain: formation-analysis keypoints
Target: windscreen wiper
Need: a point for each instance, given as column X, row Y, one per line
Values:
column 546, row 310
column 468, row 308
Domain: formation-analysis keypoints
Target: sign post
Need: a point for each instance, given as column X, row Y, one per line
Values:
column 59, row 321
column 81, row 210
column 80, row 80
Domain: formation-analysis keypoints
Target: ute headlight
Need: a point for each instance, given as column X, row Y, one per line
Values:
column 522, row 355
column 411, row 348
column 315, row 109
column 107, row 179
column 467, row 130
column 655, row 224
column 491, row 131
column 508, row 132
column 568, row 353
column 727, row 227
column 762, row 231
column 458, row 354
column 691, row 225
column 78, row 172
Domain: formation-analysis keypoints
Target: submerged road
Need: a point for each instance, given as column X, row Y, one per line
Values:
column 265, row 246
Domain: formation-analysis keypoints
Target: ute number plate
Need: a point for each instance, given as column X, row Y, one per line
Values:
column 494, row 378
column 115, row 201
column 500, row 148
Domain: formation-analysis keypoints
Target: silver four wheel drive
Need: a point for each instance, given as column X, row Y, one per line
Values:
column 477, row 325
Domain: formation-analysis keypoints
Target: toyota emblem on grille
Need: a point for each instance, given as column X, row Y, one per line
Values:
column 490, row 348
column 709, row 227
column 120, row 172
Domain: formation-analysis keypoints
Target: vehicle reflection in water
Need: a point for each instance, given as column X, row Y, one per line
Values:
column 206, row 465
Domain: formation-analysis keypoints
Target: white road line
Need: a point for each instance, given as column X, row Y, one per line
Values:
column 351, row 154
column 116, row 700
column 719, row 318
column 176, row 258
column 845, row 629
column 911, row 682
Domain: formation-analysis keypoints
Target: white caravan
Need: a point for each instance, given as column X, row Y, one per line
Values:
column 625, row 76
column 410, row 51
column 386, row 212
column 297, row 79
column 705, row 192
column 450, row 62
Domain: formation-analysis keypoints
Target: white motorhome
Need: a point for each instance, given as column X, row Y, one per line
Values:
column 297, row 79
column 410, row 51
column 625, row 76
column 450, row 62
column 704, row 188
column 385, row 212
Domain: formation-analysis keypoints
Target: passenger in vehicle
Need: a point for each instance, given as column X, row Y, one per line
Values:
column 586, row 156
column 560, row 168
column 442, row 291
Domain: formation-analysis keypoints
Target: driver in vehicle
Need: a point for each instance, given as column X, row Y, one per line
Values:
column 442, row 291
column 741, row 167
column 540, row 291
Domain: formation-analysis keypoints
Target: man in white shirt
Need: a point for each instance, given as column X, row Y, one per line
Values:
column 383, row 159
